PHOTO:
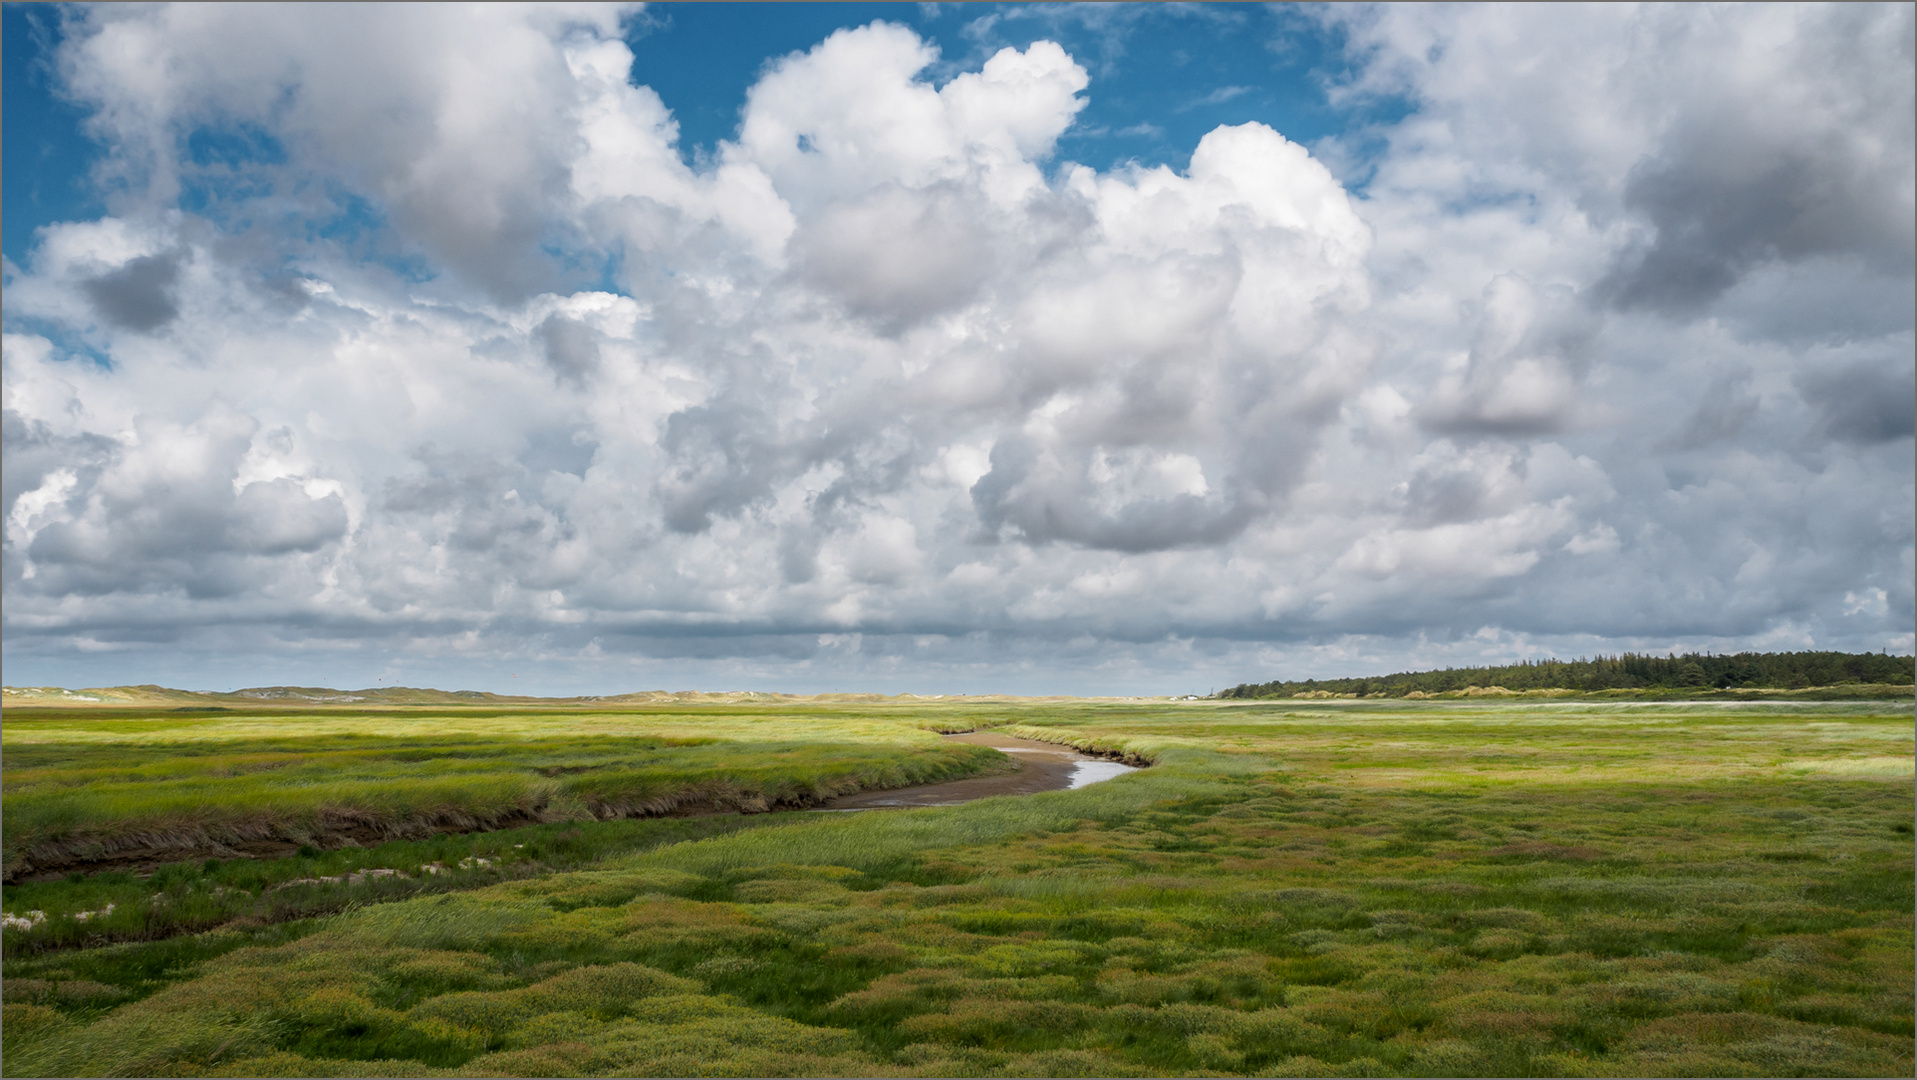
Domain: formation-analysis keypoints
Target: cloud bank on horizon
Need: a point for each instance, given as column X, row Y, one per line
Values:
column 412, row 340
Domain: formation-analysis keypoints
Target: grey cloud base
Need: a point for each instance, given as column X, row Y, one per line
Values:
column 886, row 397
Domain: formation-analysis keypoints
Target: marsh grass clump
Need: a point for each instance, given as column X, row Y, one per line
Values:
column 1350, row 890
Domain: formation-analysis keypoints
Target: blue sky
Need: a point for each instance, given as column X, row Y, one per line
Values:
column 948, row 348
column 1167, row 74
column 48, row 152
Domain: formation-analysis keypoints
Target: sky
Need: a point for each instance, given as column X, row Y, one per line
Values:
column 933, row 348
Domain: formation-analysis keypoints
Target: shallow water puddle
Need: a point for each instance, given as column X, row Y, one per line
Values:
column 1042, row 766
column 1091, row 772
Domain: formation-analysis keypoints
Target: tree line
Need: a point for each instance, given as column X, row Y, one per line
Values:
column 1626, row 671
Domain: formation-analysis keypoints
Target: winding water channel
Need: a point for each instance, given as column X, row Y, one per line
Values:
column 1042, row 766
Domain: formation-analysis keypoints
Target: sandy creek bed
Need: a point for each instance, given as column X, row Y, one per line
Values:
column 1042, row 766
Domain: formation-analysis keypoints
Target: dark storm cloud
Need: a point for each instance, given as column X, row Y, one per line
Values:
column 1737, row 185
column 1862, row 403
column 139, row 295
column 1714, row 224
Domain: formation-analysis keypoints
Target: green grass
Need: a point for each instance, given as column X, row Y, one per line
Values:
column 1411, row 889
column 84, row 787
column 191, row 897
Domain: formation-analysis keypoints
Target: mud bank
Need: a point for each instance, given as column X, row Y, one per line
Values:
column 1041, row 766
column 143, row 853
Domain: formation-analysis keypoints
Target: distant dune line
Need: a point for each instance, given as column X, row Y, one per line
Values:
column 254, row 697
